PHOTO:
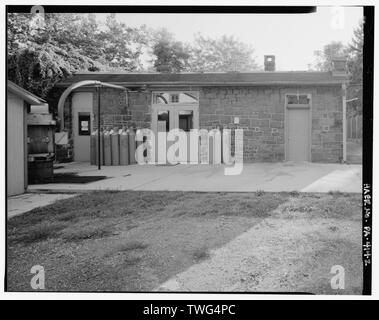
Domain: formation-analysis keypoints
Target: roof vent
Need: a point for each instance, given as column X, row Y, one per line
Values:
column 269, row 63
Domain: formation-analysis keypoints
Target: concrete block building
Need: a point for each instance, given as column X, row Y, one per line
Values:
column 286, row 116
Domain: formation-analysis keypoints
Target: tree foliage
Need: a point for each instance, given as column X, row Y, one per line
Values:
column 43, row 51
column 355, row 50
column 354, row 54
column 221, row 55
column 325, row 56
column 40, row 53
column 205, row 54
column 170, row 55
column 355, row 65
column 121, row 46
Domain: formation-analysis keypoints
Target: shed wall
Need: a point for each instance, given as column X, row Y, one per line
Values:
column 16, row 157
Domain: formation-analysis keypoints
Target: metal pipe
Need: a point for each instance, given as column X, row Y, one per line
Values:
column 74, row 86
column 98, row 128
column 344, row 133
column 114, row 86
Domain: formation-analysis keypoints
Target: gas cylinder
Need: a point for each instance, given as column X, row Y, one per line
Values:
column 124, row 147
column 115, row 142
column 107, row 148
column 139, row 154
column 93, row 144
column 101, row 148
column 211, row 148
column 132, row 146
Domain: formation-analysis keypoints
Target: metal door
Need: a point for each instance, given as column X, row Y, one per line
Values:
column 298, row 132
column 82, row 121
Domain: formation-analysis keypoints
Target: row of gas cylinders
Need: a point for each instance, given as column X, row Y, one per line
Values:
column 117, row 147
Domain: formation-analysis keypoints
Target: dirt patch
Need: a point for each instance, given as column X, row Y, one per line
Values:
column 293, row 250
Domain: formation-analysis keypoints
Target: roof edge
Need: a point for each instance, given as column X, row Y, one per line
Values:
column 24, row 94
column 217, row 84
column 202, row 73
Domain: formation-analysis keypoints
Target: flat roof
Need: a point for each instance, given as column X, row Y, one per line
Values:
column 210, row 79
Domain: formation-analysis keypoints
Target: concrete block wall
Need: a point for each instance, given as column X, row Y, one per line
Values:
column 116, row 111
column 327, row 134
column 260, row 113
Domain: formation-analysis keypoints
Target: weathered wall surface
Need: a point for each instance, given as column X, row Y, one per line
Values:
column 327, row 133
column 16, row 145
column 116, row 112
column 261, row 113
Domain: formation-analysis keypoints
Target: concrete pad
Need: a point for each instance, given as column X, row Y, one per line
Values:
column 338, row 180
column 270, row 177
column 354, row 152
column 28, row 201
column 119, row 177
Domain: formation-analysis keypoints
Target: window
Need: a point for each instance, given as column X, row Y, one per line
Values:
column 163, row 121
column 303, row 99
column 298, row 99
column 178, row 97
column 84, row 123
column 174, row 98
column 185, row 120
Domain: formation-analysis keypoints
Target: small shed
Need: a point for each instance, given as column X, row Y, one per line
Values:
column 18, row 103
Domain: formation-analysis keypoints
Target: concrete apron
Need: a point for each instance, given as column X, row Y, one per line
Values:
column 270, row 177
column 25, row 202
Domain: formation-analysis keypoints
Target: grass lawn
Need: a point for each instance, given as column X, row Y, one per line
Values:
column 135, row 241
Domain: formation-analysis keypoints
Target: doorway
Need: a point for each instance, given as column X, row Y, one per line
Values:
column 81, row 124
column 174, row 110
column 298, row 127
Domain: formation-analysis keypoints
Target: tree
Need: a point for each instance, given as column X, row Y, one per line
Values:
column 18, row 30
column 325, row 56
column 221, row 55
column 354, row 53
column 41, row 54
column 170, row 55
column 121, row 46
column 39, row 68
column 355, row 66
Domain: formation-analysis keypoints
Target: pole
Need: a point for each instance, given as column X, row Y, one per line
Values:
column 98, row 129
column 344, row 122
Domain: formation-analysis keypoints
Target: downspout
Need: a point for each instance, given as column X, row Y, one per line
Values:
column 344, row 130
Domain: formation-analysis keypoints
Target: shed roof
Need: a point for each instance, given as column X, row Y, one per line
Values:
column 24, row 94
column 210, row 79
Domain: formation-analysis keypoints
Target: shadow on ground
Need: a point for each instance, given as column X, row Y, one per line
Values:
column 135, row 241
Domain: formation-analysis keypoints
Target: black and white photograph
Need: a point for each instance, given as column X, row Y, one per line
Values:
column 186, row 150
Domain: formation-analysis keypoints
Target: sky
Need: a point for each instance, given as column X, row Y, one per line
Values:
column 292, row 38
